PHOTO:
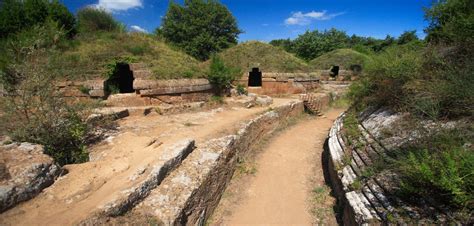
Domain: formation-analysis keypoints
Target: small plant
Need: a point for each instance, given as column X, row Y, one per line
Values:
column 84, row 90
column 216, row 100
column 220, row 75
column 138, row 50
column 246, row 168
column 356, row 185
column 158, row 110
column 346, row 159
column 241, row 89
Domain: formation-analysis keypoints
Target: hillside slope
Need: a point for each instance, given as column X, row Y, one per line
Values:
column 262, row 55
column 89, row 55
column 341, row 57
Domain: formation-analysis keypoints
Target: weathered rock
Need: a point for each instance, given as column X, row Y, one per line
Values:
column 264, row 100
column 25, row 172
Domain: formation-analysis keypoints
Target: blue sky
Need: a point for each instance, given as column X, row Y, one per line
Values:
column 266, row 20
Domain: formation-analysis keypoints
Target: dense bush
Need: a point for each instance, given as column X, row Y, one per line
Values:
column 440, row 168
column 220, row 75
column 16, row 15
column 33, row 110
column 313, row 44
column 93, row 20
column 200, row 27
column 386, row 76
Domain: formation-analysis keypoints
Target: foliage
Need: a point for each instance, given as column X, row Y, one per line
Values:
column 200, row 27
column 241, row 89
column 16, row 47
column 34, row 111
column 17, row 15
column 94, row 20
column 285, row 44
column 312, row 44
column 451, row 22
column 341, row 57
column 386, row 76
column 220, row 75
column 407, row 37
column 440, row 167
column 435, row 81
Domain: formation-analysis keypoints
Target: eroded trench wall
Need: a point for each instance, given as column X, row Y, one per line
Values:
column 205, row 199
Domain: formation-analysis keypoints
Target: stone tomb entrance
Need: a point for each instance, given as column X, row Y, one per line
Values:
column 255, row 78
column 334, row 71
column 121, row 81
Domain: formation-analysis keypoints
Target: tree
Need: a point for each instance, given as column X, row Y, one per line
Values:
column 450, row 21
column 16, row 15
column 59, row 12
column 34, row 111
column 407, row 36
column 94, row 20
column 312, row 44
column 286, row 44
column 200, row 27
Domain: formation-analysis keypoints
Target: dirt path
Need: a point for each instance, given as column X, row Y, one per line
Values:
column 288, row 187
column 91, row 185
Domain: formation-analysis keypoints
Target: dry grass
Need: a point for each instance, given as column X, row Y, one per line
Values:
column 87, row 56
column 265, row 56
column 342, row 57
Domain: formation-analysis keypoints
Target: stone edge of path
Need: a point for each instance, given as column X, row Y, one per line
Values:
column 171, row 158
column 189, row 195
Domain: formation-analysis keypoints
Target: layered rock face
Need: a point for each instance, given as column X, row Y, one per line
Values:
column 24, row 172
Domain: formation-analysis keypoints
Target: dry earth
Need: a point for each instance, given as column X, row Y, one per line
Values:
column 115, row 161
column 285, row 185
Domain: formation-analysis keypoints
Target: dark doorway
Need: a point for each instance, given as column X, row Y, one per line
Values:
column 255, row 77
column 334, row 71
column 121, row 81
column 356, row 68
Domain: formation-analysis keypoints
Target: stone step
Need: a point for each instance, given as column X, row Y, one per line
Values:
column 170, row 159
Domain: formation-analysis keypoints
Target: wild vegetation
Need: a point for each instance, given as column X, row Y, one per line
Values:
column 313, row 44
column 33, row 111
column 271, row 59
column 432, row 81
column 345, row 58
column 199, row 27
column 18, row 15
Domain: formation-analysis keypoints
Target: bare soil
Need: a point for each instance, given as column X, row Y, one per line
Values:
column 285, row 185
column 89, row 186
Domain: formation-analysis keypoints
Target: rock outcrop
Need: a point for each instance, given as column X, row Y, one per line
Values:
column 24, row 172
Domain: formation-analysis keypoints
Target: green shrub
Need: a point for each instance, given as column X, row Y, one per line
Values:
column 241, row 89
column 216, row 100
column 220, row 75
column 446, row 176
column 34, row 111
column 94, row 20
column 17, row 15
column 386, row 75
column 138, row 49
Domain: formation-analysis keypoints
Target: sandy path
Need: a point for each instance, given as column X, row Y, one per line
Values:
column 89, row 186
column 288, row 187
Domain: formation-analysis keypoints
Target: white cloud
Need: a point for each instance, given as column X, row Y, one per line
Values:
column 300, row 18
column 136, row 28
column 119, row 5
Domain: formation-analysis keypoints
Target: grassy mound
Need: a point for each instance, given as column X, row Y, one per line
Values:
column 88, row 56
column 341, row 57
column 265, row 56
